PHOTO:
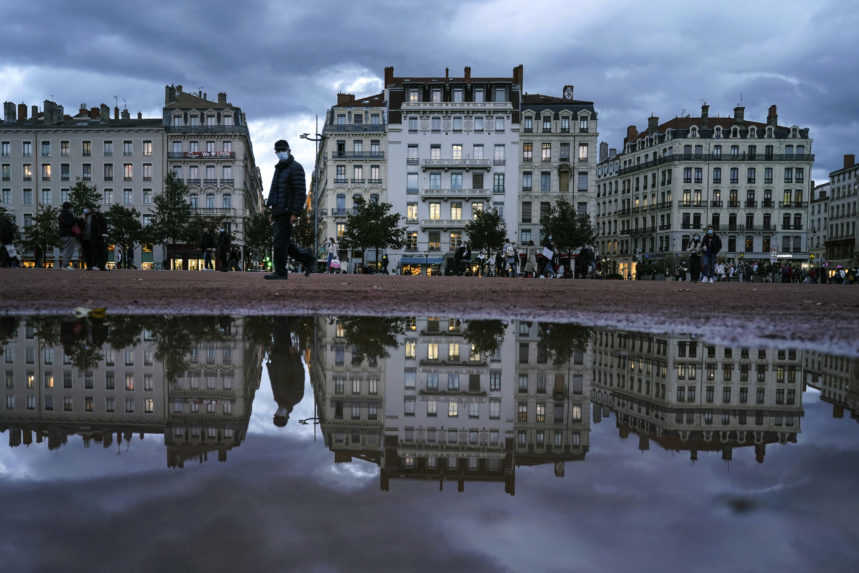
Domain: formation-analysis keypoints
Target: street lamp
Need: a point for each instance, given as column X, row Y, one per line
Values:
column 316, row 138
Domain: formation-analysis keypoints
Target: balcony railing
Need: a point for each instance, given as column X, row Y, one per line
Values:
column 735, row 203
column 451, row 193
column 794, row 204
column 228, row 182
column 444, row 223
column 412, row 161
column 456, row 163
column 339, row 212
column 353, row 155
column 360, row 181
column 716, row 203
column 355, row 128
column 374, row 181
column 767, row 203
column 791, row 227
column 751, row 203
column 713, row 157
column 211, row 211
column 207, row 129
column 201, row 155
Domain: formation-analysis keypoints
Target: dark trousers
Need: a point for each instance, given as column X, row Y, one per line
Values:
column 284, row 245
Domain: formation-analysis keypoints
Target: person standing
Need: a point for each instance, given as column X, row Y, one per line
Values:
column 223, row 252
column 332, row 253
column 70, row 231
column 711, row 244
column 694, row 258
column 285, row 370
column 286, row 199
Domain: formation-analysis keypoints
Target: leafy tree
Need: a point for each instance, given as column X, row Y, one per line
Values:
column 486, row 231
column 43, row 234
column 370, row 336
column 373, row 226
column 8, row 227
column 83, row 195
column 561, row 339
column 303, row 230
column 485, row 335
column 258, row 236
column 198, row 225
column 8, row 328
column 172, row 213
column 124, row 228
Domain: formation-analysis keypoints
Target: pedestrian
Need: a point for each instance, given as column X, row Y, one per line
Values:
column 285, row 370
column 531, row 260
column 225, row 240
column 694, row 251
column 99, row 240
column 385, row 263
column 332, row 253
column 70, row 232
column 207, row 243
column 286, row 198
column 711, row 244
column 509, row 259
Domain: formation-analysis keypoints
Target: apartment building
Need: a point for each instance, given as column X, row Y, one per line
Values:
column 44, row 155
column 842, row 241
column 837, row 379
column 209, row 148
column 127, row 390
column 748, row 179
column 559, row 144
column 351, row 161
column 688, row 395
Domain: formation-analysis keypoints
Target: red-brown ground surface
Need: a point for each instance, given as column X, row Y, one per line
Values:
column 790, row 311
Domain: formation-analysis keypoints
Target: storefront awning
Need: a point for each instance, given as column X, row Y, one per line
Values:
column 421, row 260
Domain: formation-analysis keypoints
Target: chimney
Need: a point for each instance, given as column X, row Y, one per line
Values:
column 603, row 151
column 518, row 75
column 9, row 111
column 22, row 112
column 631, row 133
column 389, row 75
column 126, row 114
column 345, row 99
column 179, row 89
column 205, row 96
column 139, row 115
column 34, row 111
column 115, row 112
column 705, row 111
column 849, row 161
column 467, row 73
column 772, row 116
column 222, row 98
column 94, row 113
column 739, row 113
column 447, row 73
column 652, row 122
column 104, row 112
column 169, row 94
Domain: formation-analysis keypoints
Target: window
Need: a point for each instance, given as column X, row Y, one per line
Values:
column 479, row 95
column 499, row 124
column 453, row 409
column 583, row 152
column 498, row 183
column 546, row 152
column 527, row 151
column 545, row 181
column 547, row 124
column 434, row 210
column 127, row 147
column 412, row 212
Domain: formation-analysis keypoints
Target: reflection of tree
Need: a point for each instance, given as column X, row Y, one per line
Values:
column 175, row 336
column 8, row 328
column 561, row 339
column 485, row 335
column 82, row 340
column 371, row 335
column 46, row 329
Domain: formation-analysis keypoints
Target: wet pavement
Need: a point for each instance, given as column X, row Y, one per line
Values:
column 324, row 443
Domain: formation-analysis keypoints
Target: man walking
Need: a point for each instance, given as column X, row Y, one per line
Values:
column 711, row 244
column 286, row 198
column 70, row 231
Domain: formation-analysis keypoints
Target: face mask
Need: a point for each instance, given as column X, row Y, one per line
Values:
column 710, row 232
column 282, row 155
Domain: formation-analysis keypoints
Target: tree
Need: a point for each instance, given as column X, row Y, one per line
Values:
column 486, row 231
column 302, row 230
column 485, row 335
column 124, row 228
column 83, row 195
column 8, row 227
column 568, row 230
column 43, row 234
column 373, row 226
column 371, row 336
column 172, row 213
column 561, row 339
column 258, row 236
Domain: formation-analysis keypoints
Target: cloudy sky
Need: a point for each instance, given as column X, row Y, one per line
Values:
column 284, row 62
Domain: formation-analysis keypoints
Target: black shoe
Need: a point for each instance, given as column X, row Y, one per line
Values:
column 275, row 277
column 308, row 269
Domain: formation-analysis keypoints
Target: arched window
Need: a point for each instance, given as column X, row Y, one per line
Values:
column 210, row 201
column 227, row 201
column 194, row 201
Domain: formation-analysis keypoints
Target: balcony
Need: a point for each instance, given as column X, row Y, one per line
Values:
column 488, row 106
column 664, row 227
column 794, row 204
column 528, row 159
column 214, row 211
column 498, row 190
column 339, row 212
column 340, row 181
column 412, row 161
column 453, row 193
column 443, row 223
column 716, row 203
column 357, row 155
column 355, row 128
column 374, row 181
column 498, row 162
column 734, row 203
column 360, row 181
column 456, row 164
column 227, row 182
column 201, row 155
column 767, row 203
column 210, row 181
column 791, row 227
column 750, row 204
column 715, row 158
column 195, row 181
column 242, row 129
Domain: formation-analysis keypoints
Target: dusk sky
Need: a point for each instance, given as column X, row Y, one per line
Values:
column 284, row 62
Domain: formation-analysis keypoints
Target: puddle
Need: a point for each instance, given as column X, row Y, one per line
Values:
column 419, row 444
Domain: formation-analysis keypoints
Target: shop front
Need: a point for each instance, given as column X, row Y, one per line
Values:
column 421, row 265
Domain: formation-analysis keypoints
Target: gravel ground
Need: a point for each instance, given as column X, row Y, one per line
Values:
column 821, row 316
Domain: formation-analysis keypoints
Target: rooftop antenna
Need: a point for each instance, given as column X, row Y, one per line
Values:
column 115, row 101
column 124, row 104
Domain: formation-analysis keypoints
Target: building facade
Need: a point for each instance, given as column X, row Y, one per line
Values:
column 559, row 144
column 842, row 241
column 818, row 215
column 43, row 155
column 750, row 180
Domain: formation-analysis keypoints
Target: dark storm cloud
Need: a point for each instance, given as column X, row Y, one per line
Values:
column 277, row 59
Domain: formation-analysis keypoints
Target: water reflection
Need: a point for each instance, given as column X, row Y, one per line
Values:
column 444, row 400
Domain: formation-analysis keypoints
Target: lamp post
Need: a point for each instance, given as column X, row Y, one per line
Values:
column 315, row 138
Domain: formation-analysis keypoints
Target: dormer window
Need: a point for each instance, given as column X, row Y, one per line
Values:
column 753, row 132
column 694, row 131
column 718, row 132
column 794, row 132
column 735, row 132
column 769, row 132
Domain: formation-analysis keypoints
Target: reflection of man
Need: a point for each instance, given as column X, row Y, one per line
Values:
column 285, row 371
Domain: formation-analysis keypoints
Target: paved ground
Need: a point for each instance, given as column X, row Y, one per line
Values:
column 816, row 313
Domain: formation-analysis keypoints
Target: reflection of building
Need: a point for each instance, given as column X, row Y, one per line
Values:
column 687, row 395
column 450, row 404
column 126, row 391
column 837, row 378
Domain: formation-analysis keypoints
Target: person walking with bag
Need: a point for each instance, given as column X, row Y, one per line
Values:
column 70, row 232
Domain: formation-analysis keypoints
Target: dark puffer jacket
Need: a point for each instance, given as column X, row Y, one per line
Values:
column 288, row 190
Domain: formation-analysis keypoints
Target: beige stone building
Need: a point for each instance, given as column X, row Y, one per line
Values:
column 750, row 180
column 818, row 213
column 842, row 239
